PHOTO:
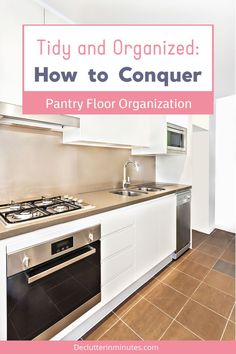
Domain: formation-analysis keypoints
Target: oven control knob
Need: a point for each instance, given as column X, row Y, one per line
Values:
column 90, row 236
column 26, row 261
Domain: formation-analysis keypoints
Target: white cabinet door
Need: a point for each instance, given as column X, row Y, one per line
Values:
column 155, row 232
column 116, row 220
column 166, row 219
column 14, row 14
column 110, row 130
column 158, row 133
column 146, row 237
column 158, row 137
column 178, row 119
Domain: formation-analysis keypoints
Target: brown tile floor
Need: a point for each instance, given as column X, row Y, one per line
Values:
column 192, row 299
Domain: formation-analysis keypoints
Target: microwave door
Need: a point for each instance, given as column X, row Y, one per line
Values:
column 176, row 140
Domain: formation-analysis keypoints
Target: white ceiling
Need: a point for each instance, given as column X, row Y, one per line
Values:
column 221, row 13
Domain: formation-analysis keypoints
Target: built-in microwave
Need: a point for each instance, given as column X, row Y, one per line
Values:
column 176, row 139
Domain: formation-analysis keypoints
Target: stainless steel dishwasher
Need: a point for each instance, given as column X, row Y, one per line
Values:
column 183, row 214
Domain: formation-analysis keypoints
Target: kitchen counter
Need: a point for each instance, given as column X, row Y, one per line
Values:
column 103, row 200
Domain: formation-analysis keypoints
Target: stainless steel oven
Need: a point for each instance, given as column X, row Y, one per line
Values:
column 176, row 139
column 52, row 284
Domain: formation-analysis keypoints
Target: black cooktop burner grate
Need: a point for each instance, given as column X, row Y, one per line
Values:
column 36, row 209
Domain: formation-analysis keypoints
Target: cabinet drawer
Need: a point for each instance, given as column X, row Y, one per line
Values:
column 117, row 285
column 116, row 220
column 117, row 241
column 116, row 265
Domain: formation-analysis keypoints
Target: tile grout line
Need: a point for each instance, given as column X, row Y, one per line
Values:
column 211, row 236
column 197, row 335
column 180, row 271
column 204, row 254
column 109, row 327
column 190, row 298
column 186, row 256
column 171, row 270
column 143, row 298
column 215, row 270
column 118, row 319
column 217, row 258
column 201, row 281
column 165, row 313
column 158, row 308
column 196, row 300
column 182, row 308
column 227, row 322
column 131, row 329
column 129, row 308
column 225, row 274
column 173, row 319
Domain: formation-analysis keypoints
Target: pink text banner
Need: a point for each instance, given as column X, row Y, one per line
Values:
column 118, row 69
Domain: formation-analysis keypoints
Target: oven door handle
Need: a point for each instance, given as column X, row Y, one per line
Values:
column 43, row 274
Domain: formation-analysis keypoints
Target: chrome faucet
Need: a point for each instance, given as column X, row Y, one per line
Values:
column 126, row 179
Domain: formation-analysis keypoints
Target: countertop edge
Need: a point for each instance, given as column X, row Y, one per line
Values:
column 8, row 232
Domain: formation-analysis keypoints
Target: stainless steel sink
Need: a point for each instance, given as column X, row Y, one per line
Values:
column 149, row 189
column 128, row 193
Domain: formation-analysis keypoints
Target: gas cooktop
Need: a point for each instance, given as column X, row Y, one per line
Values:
column 39, row 208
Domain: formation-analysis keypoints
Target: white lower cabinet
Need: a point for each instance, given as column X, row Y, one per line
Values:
column 134, row 240
column 117, row 252
column 166, row 229
column 117, row 273
column 155, row 232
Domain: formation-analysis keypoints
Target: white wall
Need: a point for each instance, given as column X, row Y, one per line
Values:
column 176, row 168
column 225, row 188
column 212, row 169
column 197, row 168
column 201, row 207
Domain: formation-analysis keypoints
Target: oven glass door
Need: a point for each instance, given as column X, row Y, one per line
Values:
column 41, row 296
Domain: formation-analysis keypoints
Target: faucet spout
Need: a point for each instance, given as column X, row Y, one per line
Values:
column 126, row 179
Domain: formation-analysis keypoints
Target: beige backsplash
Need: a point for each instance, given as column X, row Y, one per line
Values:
column 34, row 163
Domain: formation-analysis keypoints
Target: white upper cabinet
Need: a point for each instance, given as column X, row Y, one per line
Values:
column 158, row 133
column 110, row 130
column 15, row 13
column 182, row 120
column 158, row 137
